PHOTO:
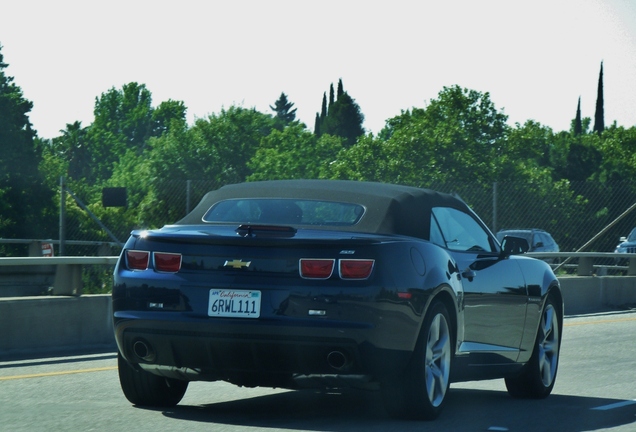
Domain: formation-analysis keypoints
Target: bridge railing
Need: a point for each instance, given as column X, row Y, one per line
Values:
column 590, row 263
column 65, row 273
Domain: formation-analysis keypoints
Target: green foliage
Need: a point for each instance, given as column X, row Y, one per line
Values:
column 293, row 153
column 577, row 124
column 371, row 159
column 233, row 137
column 617, row 146
column 342, row 117
column 344, row 120
column 216, row 149
column 123, row 121
column 599, row 114
column 168, row 115
column 97, row 280
column 458, row 137
column 458, row 143
column 284, row 112
column 24, row 195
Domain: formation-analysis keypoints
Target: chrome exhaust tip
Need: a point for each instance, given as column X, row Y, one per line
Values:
column 144, row 351
column 338, row 360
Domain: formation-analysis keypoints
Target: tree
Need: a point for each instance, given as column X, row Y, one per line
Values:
column 283, row 109
column 125, row 120
column 342, row 117
column 618, row 150
column 294, row 153
column 317, row 125
column 459, row 136
column 216, row 148
column 72, row 147
column 578, row 126
column 215, row 151
column 168, row 115
column 599, row 115
column 344, row 120
column 25, row 197
column 331, row 97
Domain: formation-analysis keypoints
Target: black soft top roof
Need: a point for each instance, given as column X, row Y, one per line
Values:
column 390, row 209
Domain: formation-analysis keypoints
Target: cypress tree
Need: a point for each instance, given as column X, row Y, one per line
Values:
column 578, row 125
column 323, row 110
column 599, row 115
column 331, row 97
column 342, row 118
column 345, row 120
column 319, row 127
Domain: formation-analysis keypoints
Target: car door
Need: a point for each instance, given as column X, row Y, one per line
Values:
column 495, row 295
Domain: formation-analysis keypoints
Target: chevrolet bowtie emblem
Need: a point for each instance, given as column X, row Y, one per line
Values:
column 237, row 264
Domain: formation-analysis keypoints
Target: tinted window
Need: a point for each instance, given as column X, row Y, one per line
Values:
column 284, row 211
column 461, row 231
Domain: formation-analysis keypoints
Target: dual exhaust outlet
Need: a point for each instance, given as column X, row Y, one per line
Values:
column 336, row 359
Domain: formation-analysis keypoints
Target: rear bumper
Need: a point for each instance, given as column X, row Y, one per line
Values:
column 254, row 352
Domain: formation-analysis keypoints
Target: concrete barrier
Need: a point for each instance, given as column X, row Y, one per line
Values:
column 588, row 294
column 39, row 326
column 51, row 325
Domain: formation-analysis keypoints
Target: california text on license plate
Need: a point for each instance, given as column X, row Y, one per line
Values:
column 234, row 303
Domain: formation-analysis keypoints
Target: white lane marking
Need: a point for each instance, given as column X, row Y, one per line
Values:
column 498, row 428
column 615, row 405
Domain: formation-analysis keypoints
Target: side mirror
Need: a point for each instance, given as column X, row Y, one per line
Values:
column 514, row 245
column 622, row 239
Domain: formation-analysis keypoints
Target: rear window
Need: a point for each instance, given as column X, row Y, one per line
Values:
column 284, row 212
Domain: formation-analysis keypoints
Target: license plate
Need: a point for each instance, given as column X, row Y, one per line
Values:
column 234, row 303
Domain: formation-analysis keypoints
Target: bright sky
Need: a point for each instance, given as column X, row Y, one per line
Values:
column 534, row 58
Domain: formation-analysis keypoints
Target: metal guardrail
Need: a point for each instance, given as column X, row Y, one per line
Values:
column 65, row 260
column 590, row 263
column 67, row 270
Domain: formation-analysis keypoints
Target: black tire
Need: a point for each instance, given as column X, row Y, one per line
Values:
column 420, row 393
column 145, row 389
column 539, row 375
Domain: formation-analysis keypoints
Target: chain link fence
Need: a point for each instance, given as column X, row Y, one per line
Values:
column 572, row 212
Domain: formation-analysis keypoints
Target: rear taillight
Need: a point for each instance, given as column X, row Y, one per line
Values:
column 316, row 268
column 321, row 268
column 167, row 262
column 356, row 268
column 137, row 260
column 162, row 261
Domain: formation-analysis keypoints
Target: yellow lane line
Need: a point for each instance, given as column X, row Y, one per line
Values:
column 47, row 374
column 606, row 321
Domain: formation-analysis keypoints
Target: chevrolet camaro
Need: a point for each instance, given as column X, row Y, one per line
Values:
column 326, row 283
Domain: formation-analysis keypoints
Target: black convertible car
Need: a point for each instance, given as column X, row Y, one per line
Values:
column 312, row 283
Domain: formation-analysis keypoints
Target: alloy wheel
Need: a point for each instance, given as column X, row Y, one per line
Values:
column 548, row 345
column 438, row 359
